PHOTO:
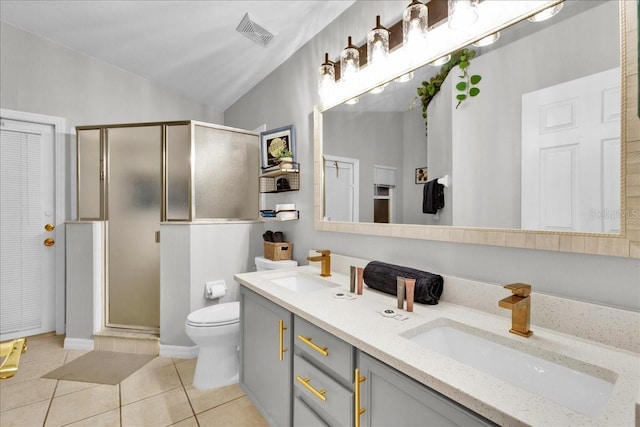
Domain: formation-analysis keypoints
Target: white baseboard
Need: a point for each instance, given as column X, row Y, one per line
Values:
column 178, row 351
column 78, row 344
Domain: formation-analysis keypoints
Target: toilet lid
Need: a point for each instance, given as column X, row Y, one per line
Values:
column 216, row 315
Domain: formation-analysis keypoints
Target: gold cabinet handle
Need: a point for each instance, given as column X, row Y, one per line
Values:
column 320, row 394
column 49, row 241
column 356, row 398
column 307, row 340
column 49, row 227
column 282, row 350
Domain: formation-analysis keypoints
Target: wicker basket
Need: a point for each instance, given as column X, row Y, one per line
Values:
column 278, row 251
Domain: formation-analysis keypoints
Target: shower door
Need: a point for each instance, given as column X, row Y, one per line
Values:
column 133, row 201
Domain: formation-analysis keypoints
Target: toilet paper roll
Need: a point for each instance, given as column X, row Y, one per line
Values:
column 214, row 291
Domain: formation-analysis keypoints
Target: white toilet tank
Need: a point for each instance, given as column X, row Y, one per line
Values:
column 263, row 264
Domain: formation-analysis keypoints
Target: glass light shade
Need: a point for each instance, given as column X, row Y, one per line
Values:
column 440, row 61
column 378, row 89
column 349, row 62
column 486, row 41
column 405, row 77
column 326, row 80
column 415, row 25
column 462, row 14
column 353, row 101
column 377, row 45
column 549, row 12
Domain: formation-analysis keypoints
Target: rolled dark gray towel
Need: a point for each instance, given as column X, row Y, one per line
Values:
column 381, row 276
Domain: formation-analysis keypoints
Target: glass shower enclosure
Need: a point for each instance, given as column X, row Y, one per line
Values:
column 132, row 177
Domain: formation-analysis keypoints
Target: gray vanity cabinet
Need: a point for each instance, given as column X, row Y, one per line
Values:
column 323, row 367
column 265, row 356
column 390, row 398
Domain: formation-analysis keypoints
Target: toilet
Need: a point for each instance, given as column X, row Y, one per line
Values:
column 216, row 331
column 263, row 264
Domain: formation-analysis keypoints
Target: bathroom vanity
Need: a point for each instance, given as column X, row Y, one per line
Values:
column 299, row 374
column 310, row 356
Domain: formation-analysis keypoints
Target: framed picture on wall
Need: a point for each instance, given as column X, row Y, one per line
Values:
column 421, row 175
column 276, row 144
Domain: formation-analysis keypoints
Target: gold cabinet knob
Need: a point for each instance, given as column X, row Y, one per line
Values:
column 49, row 241
column 49, row 227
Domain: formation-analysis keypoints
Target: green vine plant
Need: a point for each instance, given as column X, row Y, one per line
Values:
column 466, row 88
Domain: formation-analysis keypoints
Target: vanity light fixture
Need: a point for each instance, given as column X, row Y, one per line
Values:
column 547, row 13
column 462, row 14
column 415, row 25
column 440, row 61
column 486, row 41
column 326, row 78
column 349, row 62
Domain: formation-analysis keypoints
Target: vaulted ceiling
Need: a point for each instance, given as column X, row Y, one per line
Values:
column 189, row 47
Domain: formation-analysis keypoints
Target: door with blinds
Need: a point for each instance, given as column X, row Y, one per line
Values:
column 27, row 231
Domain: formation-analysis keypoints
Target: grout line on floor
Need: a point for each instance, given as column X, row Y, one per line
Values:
column 184, row 388
column 46, row 415
column 222, row 404
column 120, row 402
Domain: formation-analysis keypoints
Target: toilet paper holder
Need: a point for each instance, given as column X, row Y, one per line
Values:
column 215, row 289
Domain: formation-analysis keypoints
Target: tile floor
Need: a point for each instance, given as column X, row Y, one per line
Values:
column 158, row 394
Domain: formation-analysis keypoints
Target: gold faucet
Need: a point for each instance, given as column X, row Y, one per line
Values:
column 325, row 259
column 520, row 305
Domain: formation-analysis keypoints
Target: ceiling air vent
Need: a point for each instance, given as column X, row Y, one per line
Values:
column 256, row 32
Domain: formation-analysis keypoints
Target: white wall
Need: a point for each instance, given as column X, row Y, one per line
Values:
column 607, row 280
column 40, row 76
column 192, row 254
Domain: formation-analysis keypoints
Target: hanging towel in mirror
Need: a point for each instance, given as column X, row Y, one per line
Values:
column 432, row 197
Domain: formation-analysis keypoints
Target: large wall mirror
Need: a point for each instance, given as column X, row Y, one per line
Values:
column 536, row 159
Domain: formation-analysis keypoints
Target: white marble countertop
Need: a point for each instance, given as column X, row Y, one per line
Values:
column 359, row 322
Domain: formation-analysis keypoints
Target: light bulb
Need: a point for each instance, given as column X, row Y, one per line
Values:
column 440, row 61
column 405, row 77
column 353, row 101
column 549, row 12
column 378, row 54
column 486, row 41
column 377, row 90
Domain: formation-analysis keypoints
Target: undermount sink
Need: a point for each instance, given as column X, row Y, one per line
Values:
column 301, row 283
column 565, row 386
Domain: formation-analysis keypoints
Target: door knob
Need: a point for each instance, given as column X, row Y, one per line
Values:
column 49, row 227
column 49, row 241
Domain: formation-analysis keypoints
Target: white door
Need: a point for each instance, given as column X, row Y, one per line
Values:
column 27, row 205
column 341, row 190
column 571, row 155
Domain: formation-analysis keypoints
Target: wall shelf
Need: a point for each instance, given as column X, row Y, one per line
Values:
column 276, row 219
column 280, row 180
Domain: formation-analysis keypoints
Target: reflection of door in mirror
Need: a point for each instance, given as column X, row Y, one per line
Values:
column 570, row 155
column 341, row 180
column 479, row 143
column 384, row 182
